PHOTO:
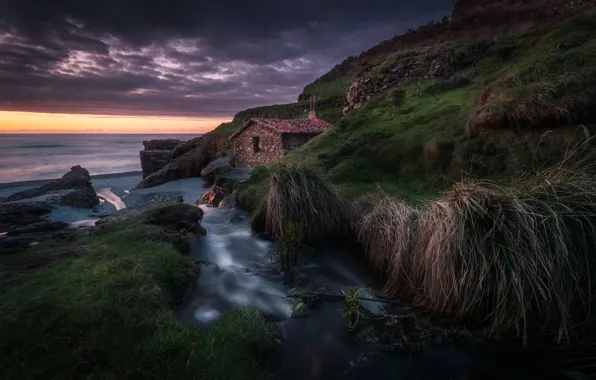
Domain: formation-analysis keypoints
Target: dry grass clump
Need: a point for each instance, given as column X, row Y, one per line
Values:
column 302, row 195
column 516, row 258
column 387, row 230
column 519, row 257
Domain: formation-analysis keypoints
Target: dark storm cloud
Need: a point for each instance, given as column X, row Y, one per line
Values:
column 203, row 58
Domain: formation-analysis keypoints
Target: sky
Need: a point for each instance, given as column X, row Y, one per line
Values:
column 177, row 66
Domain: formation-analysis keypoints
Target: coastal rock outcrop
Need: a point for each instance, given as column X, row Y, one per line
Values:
column 14, row 215
column 185, row 147
column 156, row 155
column 21, row 221
column 190, row 164
column 73, row 189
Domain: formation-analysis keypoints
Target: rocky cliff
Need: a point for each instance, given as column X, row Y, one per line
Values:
column 157, row 154
column 191, row 162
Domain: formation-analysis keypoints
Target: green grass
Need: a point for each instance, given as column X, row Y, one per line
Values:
column 487, row 120
column 107, row 314
column 326, row 88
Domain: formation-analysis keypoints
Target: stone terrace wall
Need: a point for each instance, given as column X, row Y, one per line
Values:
column 270, row 144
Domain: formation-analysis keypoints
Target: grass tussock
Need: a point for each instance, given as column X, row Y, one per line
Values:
column 388, row 231
column 515, row 258
column 303, row 196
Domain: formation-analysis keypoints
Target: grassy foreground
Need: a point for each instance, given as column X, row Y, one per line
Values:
column 100, row 307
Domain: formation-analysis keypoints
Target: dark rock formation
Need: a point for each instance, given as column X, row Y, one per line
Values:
column 21, row 238
column 177, row 222
column 141, row 203
column 80, row 198
column 13, row 215
column 216, row 167
column 161, row 144
column 156, row 155
column 190, row 164
column 73, row 189
column 176, row 217
column 214, row 196
column 153, row 160
column 231, row 201
column 42, row 226
column 185, row 147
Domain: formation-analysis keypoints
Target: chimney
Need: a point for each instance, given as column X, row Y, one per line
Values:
column 313, row 114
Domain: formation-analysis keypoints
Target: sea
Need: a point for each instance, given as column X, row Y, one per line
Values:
column 31, row 157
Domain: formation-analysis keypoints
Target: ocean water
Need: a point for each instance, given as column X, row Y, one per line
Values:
column 25, row 157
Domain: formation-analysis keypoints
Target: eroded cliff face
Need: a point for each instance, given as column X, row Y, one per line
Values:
column 156, row 155
column 190, row 163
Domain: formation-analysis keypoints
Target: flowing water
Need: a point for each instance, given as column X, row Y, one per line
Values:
column 237, row 270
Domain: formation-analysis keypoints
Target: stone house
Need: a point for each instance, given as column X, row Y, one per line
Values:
column 263, row 140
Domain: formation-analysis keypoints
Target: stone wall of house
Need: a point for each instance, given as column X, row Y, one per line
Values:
column 270, row 146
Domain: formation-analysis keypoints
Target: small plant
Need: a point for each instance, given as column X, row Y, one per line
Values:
column 353, row 312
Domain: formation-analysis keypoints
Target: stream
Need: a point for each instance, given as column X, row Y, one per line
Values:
column 237, row 270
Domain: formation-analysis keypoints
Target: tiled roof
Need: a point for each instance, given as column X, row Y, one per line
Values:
column 287, row 126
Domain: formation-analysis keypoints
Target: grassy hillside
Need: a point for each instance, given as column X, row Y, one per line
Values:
column 509, row 105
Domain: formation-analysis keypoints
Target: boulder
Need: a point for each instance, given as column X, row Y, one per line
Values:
column 213, row 197
column 216, row 167
column 178, row 223
column 80, row 198
column 73, row 189
column 179, row 217
column 185, row 147
column 231, row 201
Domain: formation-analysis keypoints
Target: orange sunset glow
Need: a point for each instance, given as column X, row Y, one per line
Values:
column 30, row 122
